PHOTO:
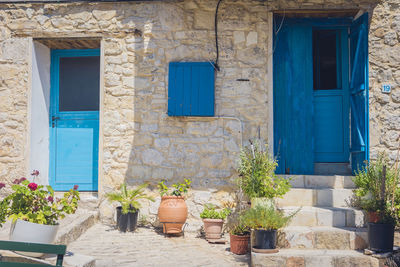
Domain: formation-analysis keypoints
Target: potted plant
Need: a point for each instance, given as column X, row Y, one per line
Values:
column 257, row 176
column 239, row 233
column 213, row 220
column 378, row 193
column 265, row 220
column 35, row 212
column 173, row 211
column 127, row 212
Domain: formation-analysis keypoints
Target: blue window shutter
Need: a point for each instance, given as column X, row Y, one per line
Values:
column 191, row 89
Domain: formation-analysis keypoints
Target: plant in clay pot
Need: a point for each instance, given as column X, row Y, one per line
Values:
column 173, row 211
column 213, row 220
column 239, row 233
column 257, row 178
column 378, row 193
column 35, row 211
column 127, row 212
column 265, row 221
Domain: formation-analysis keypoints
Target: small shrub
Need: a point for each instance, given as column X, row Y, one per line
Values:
column 178, row 189
column 210, row 212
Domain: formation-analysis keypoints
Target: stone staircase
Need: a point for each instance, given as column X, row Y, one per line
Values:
column 325, row 232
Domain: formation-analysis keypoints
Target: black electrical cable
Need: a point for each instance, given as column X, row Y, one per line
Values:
column 216, row 36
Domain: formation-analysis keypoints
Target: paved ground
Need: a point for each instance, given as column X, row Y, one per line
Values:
column 146, row 247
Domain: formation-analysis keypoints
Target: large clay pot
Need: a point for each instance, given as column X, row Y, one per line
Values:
column 23, row 231
column 172, row 213
column 213, row 228
column 239, row 244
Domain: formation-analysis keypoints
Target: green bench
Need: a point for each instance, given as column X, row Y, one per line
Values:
column 59, row 250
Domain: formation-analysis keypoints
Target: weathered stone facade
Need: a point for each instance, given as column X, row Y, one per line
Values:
column 139, row 141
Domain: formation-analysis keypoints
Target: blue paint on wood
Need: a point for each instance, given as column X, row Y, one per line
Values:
column 293, row 107
column 331, row 112
column 359, row 92
column 191, row 89
column 74, row 139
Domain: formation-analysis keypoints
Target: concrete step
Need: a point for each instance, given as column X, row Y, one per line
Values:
column 326, row 216
column 316, row 197
column 321, row 181
column 74, row 225
column 322, row 237
column 314, row 258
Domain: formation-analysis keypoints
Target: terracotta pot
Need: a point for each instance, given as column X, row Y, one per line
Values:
column 172, row 213
column 373, row 216
column 239, row 244
column 213, row 228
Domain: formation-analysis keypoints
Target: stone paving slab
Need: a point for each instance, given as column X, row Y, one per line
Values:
column 146, row 247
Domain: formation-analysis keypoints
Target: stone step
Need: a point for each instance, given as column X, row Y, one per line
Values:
column 74, row 225
column 314, row 258
column 316, row 197
column 326, row 216
column 321, row 181
column 322, row 237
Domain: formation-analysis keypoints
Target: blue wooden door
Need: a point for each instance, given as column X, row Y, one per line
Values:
column 359, row 92
column 330, row 90
column 74, row 119
column 293, row 99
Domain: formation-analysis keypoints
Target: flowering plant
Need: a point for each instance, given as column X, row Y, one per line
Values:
column 36, row 203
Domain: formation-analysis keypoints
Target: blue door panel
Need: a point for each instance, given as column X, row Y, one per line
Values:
column 74, row 135
column 76, row 154
column 293, row 107
column 328, row 128
column 359, row 92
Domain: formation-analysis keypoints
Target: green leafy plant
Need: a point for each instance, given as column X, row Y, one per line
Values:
column 36, row 203
column 257, row 174
column 210, row 212
column 128, row 198
column 178, row 189
column 265, row 218
column 377, row 189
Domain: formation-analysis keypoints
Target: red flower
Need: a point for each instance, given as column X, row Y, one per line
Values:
column 32, row 186
column 16, row 181
column 22, row 179
column 35, row 173
column 76, row 187
column 50, row 199
column 2, row 185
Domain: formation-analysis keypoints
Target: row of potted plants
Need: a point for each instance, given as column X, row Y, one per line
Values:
column 257, row 182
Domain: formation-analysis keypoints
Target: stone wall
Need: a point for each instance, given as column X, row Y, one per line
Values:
column 140, row 142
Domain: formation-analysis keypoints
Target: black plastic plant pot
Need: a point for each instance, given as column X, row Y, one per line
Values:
column 265, row 239
column 381, row 237
column 126, row 222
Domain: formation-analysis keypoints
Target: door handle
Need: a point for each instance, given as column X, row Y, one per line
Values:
column 53, row 119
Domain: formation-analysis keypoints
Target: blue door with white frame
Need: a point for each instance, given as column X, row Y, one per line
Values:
column 320, row 81
column 74, row 119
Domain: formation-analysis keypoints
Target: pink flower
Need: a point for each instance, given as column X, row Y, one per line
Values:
column 22, row 179
column 50, row 199
column 16, row 181
column 35, row 173
column 32, row 186
column 76, row 187
column 2, row 185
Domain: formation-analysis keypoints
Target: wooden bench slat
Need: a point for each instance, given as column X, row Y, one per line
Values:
column 33, row 247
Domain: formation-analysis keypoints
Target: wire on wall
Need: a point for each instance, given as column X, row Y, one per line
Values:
column 216, row 65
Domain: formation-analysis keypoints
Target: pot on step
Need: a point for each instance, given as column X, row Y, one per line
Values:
column 381, row 237
column 127, row 222
column 239, row 244
column 172, row 213
column 265, row 239
column 23, row 231
column 213, row 228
